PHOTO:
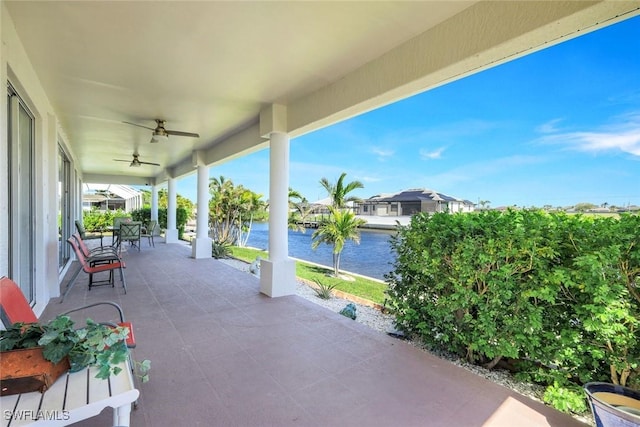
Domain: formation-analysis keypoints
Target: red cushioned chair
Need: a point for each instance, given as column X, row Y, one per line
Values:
column 100, row 251
column 15, row 308
column 94, row 265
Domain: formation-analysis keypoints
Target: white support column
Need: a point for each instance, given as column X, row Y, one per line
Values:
column 171, row 234
column 278, row 274
column 154, row 203
column 201, row 245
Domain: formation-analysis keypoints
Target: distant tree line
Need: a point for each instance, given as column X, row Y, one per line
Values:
column 582, row 207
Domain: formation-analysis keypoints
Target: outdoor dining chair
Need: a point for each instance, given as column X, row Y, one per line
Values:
column 149, row 232
column 116, row 228
column 130, row 232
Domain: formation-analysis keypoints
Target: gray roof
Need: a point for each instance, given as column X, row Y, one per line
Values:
column 413, row 195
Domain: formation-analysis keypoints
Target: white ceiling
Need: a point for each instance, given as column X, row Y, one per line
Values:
column 211, row 67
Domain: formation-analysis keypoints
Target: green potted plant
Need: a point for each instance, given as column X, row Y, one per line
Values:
column 96, row 344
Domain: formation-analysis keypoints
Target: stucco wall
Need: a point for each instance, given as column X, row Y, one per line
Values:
column 16, row 68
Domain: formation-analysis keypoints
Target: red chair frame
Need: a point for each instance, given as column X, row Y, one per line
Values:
column 94, row 265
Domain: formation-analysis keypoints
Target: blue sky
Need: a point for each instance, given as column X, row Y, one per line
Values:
column 558, row 127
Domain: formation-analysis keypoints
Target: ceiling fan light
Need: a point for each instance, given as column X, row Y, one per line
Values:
column 134, row 164
column 159, row 137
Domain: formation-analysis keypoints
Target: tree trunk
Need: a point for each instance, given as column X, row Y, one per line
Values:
column 493, row 363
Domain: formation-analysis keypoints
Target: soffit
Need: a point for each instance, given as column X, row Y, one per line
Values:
column 205, row 67
column 211, row 67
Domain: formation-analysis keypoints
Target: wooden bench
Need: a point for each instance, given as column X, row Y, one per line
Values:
column 73, row 397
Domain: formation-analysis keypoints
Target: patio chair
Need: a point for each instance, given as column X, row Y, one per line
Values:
column 116, row 228
column 101, row 252
column 87, row 236
column 82, row 396
column 130, row 232
column 91, row 266
column 149, row 231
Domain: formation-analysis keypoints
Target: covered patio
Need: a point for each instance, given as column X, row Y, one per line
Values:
column 148, row 93
column 187, row 86
column 223, row 354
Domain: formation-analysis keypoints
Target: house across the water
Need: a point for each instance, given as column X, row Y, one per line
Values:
column 413, row 201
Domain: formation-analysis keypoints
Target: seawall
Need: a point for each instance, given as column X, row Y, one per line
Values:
column 384, row 222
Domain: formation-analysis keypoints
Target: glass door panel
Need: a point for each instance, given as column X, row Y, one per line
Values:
column 21, row 200
column 64, row 207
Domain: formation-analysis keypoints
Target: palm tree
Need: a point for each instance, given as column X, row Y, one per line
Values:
column 248, row 204
column 338, row 191
column 221, row 190
column 484, row 204
column 231, row 211
column 299, row 209
column 340, row 227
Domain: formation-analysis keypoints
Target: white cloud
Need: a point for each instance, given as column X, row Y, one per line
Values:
column 628, row 142
column 472, row 172
column 549, row 127
column 370, row 179
column 447, row 133
column 623, row 136
column 431, row 155
column 382, row 153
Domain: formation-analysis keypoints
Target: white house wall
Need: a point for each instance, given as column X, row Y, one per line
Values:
column 16, row 68
column 4, row 162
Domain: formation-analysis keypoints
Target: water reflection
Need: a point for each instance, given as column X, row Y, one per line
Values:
column 372, row 257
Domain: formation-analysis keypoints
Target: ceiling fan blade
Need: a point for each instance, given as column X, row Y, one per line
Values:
column 180, row 133
column 135, row 124
column 120, row 160
column 148, row 163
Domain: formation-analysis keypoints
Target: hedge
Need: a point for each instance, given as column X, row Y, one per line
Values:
column 554, row 296
column 95, row 220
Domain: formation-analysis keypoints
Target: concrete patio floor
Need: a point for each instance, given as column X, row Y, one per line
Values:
column 224, row 355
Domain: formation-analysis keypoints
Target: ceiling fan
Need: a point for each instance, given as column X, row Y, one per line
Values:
column 135, row 163
column 162, row 134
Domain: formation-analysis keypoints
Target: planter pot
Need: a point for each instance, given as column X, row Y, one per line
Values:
column 26, row 370
column 613, row 405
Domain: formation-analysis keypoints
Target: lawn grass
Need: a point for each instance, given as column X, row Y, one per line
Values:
column 248, row 254
column 370, row 289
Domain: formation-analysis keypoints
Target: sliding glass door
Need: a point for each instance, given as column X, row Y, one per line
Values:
column 21, row 129
column 64, row 207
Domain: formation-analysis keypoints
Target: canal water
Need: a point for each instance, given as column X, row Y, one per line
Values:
column 373, row 257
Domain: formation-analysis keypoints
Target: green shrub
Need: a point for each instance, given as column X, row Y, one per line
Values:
column 144, row 215
column 95, row 220
column 323, row 290
column 220, row 250
column 555, row 294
